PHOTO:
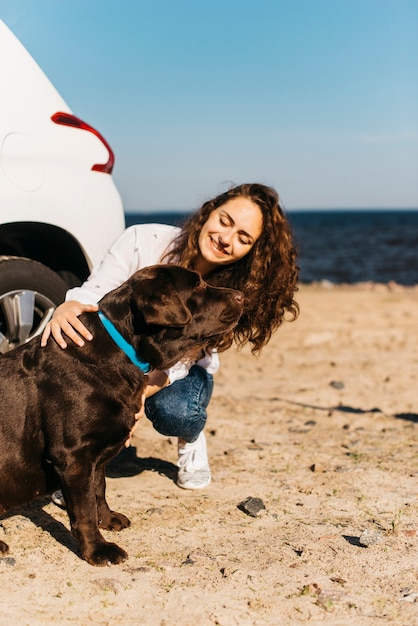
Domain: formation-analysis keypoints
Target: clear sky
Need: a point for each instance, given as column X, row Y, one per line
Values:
column 318, row 98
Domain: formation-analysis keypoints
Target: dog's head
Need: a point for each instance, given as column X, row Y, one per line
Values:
column 167, row 312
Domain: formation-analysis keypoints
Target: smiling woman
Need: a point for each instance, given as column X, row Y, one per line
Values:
column 240, row 239
column 266, row 271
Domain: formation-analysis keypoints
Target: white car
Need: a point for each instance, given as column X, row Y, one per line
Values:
column 59, row 207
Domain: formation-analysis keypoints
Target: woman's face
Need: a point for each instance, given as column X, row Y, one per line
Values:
column 229, row 233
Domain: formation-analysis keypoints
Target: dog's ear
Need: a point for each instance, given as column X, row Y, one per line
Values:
column 158, row 298
column 166, row 309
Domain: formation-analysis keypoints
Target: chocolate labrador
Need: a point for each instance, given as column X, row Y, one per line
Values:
column 65, row 414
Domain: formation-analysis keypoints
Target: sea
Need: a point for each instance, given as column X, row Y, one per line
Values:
column 342, row 246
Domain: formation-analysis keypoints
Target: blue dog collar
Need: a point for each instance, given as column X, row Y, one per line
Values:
column 123, row 344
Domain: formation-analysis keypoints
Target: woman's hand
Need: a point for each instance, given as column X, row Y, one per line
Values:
column 138, row 416
column 156, row 380
column 65, row 320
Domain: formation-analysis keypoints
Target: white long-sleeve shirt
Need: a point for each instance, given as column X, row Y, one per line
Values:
column 139, row 246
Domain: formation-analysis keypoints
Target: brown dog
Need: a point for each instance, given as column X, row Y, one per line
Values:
column 66, row 413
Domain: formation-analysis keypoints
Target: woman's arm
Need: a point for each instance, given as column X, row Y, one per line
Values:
column 118, row 264
column 156, row 380
column 137, row 247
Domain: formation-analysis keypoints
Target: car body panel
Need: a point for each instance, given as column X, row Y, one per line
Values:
column 46, row 168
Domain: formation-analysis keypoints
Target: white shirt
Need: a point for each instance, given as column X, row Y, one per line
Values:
column 139, row 246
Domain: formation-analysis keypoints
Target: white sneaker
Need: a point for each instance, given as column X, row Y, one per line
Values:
column 58, row 498
column 194, row 470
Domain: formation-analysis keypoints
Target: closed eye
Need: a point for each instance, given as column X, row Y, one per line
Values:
column 226, row 221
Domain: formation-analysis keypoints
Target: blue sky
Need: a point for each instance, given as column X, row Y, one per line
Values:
column 318, row 98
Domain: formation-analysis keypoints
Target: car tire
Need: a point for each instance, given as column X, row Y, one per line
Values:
column 29, row 294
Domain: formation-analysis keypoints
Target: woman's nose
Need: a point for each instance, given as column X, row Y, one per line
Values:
column 226, row 238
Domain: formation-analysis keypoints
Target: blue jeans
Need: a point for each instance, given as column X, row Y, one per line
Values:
column 180, row 409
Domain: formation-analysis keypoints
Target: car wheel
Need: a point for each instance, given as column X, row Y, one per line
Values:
column 29, row 294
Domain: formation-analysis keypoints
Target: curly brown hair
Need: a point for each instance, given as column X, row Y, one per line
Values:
column 267, row 274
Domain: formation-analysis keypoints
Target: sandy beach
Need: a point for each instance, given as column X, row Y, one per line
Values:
column 320, row 431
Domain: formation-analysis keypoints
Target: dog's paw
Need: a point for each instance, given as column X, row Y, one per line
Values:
column 4, row 548
column 106, row 554
column 114, row 521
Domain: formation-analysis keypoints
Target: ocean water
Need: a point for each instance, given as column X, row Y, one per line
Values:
column 344, row 246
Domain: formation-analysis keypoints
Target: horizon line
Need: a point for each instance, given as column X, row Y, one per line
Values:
column 287, row 210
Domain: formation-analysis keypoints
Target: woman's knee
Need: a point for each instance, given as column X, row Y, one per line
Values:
column 180, row 409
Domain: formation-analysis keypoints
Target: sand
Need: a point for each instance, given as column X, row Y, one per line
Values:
column 322, row 428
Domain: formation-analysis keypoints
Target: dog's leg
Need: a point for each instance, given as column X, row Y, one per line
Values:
column 80, row 498
column 109, row 520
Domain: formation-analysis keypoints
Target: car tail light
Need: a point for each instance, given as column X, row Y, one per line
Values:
column 67, row 119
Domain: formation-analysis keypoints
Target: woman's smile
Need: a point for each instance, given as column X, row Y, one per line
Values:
column 218, row 247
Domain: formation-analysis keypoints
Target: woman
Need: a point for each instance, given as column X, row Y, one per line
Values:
column 240, row 239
